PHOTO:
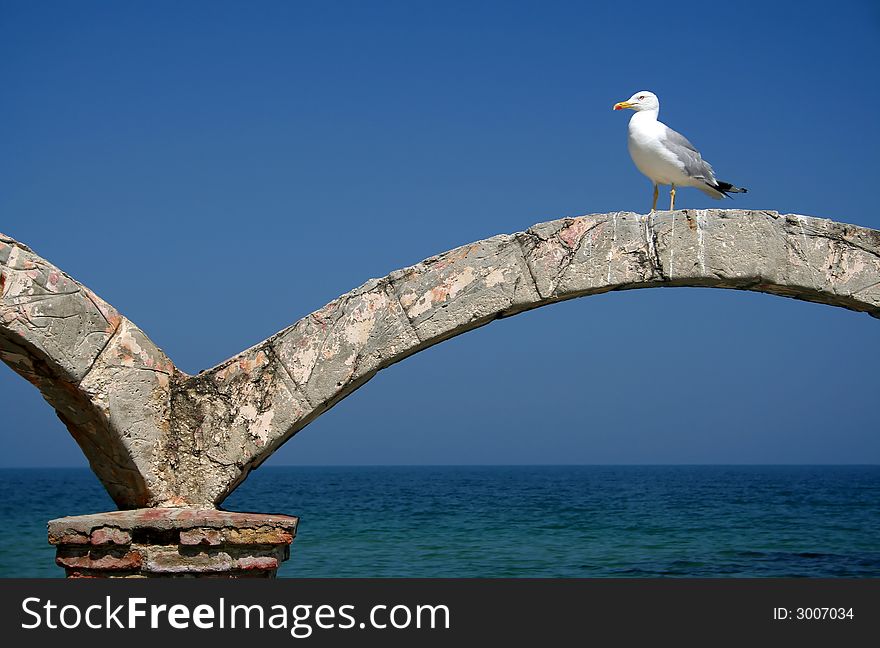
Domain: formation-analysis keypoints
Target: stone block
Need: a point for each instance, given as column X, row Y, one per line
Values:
column 201, row 536
column 172, row 543
column 99, row 560
column 345, row 342
column 465, row 287
column 109, row 535
column 66, row 324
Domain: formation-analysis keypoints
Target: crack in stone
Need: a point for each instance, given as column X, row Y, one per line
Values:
column 806, row 257
column 164, row 372
column 866, row 288
column 393, row 288
column 326, row 330
column 573, row 251
column 26, row 300
column 528, row 266
column 653, row 248
column 92, row 298
column 812, row 233
column 612, row 246
column 277, row 359
column 94, row 362
column 391, row 292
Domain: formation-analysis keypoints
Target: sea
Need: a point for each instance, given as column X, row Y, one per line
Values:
column 518, row 521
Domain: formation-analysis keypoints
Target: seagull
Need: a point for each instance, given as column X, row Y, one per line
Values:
column 665, row 156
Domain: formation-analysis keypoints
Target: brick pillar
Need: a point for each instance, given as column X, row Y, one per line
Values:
column 166, row 542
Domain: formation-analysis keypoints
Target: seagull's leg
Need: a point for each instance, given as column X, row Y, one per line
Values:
column 672, row 198
column 656, row 193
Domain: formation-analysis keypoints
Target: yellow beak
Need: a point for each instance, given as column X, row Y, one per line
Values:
column 621, row 105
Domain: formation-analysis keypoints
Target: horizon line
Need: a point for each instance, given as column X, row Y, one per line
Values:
column 487, row 465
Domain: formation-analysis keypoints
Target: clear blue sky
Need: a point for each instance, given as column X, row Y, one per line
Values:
column 217, row 170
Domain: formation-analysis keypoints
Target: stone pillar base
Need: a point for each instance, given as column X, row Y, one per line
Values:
column 167, row 542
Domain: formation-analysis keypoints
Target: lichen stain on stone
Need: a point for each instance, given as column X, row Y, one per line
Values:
column 443, row 261
column 304, row 357
column 131, row 354
column 495, row 277
column 361, row 321
column 110, row 314
column 571, row 234
column 853, row 264
column 246, row 364
column 113, row 323
column 163, row 381
column 249, row 412
column 261, row 426
column 448, row 289
column 249, row 365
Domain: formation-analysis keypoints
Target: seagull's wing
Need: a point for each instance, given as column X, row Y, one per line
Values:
column 694, row 165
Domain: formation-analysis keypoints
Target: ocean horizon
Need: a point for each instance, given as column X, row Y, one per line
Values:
column 557, row 521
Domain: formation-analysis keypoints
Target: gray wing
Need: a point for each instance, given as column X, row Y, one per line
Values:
column 694, row 165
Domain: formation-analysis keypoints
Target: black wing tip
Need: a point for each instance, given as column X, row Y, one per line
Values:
column 726, row 188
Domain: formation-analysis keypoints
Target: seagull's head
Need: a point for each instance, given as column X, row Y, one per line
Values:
column 642, row 100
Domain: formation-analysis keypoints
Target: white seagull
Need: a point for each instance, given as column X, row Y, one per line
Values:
column 665, row 156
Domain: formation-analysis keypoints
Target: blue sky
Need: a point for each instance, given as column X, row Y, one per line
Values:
column 217, row 170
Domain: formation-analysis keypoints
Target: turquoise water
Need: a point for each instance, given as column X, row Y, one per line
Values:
column 535, row 521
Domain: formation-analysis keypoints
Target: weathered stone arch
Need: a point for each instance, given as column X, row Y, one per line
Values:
column 158, row 437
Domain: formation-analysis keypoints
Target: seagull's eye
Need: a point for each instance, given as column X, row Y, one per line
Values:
column 642, row 97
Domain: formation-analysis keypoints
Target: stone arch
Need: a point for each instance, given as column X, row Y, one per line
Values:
column 158, row 437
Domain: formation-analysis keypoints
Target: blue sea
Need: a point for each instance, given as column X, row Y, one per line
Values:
column 519, row 521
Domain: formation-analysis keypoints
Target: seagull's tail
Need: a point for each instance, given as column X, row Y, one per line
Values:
column 726, row 188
